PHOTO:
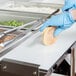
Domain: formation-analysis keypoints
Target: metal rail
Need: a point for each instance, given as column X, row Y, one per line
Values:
column 17, row 28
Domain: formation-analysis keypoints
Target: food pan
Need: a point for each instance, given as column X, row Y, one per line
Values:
column 6, row 16
column 23, row 17
column 8, row 38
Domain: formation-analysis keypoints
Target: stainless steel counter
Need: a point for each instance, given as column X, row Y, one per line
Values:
column 33, row 51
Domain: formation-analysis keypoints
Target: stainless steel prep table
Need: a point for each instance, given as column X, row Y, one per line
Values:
column 34, row 52
column 7, row 15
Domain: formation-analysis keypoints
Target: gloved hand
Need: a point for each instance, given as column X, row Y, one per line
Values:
column 61, row 21
column 69, row 4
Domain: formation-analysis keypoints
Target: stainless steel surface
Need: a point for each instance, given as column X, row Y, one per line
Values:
column 33, row 51
column 15, row 3
column 26, row 6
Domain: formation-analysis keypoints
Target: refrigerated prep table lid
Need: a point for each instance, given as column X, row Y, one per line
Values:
column 33, row 51
column 30, row 6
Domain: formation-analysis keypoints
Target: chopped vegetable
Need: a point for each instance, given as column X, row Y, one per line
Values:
column 12, row 23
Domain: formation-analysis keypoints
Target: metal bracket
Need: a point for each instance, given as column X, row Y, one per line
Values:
column 58, row 62
column 73, row 59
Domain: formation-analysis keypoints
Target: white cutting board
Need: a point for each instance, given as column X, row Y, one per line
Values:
column 33, row 51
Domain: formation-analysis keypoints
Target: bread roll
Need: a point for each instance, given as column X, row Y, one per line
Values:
column 48, row 37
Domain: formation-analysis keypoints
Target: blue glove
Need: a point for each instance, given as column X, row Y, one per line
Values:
column 61, row 21
column 69, row 4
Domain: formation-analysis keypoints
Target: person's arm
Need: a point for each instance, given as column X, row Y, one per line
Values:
column 62, row 21
column 68, row 5
column 73, row 12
